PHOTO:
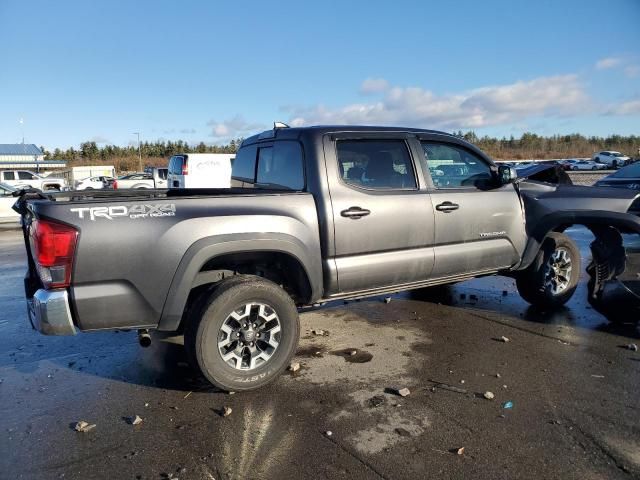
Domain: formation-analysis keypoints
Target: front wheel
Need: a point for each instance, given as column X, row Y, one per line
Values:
column 244, row 334
column 552, row 278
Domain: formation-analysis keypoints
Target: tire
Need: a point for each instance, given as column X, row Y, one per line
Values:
column 614, row 164
column 536, row 284
column 218, row 316
column 594, row 168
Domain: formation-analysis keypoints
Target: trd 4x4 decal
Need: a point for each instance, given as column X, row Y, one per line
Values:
column 131, row 211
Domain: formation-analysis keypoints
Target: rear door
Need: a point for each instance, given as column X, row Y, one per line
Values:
column 479, row 225
column 382, row 214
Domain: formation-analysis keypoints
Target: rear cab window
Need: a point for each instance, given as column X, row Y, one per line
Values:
column 277, row 165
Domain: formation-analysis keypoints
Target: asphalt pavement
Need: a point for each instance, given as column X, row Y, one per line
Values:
column 572, row 384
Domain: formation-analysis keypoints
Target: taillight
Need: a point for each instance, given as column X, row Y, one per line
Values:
column 185, row 167
column 115, row 184
column 53, row 246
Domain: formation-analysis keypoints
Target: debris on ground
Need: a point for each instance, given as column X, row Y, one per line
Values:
column 403, row 392
column 135, row 420
column 319, row 332
column 387, row 299
column 294, row 367
column 445, row 386
column 461, row 381
column 489, row 395
column 633, row 347
column 226, row 411
column 503, row 339
column 376, row 401
column 83, row 426
column 402, row 432
column 353, row 353
column 459, row 451
column 498, row 375
column 146, row 404
column 507, row 405
column 328, row 433
column 187, row 395
column 597, row 376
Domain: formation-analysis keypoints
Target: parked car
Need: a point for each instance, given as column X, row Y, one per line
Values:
column 626, row 177
column 587, row 165
column 316, row 214
column 7, row 214
column 155, row 178
column 200, row 170
column 611, row 159
column 95, row 183
column 26, row 179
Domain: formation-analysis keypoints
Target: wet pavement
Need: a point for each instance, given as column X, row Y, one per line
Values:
column 573, row 387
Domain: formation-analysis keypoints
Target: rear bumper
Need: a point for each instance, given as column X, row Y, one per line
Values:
column 49, row 312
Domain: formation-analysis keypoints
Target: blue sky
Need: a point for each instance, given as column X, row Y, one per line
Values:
column 211, row 70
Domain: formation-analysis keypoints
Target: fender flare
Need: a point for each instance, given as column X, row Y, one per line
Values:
column 202, row 251
column 589, row 218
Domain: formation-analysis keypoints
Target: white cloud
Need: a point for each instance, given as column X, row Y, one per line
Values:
column 234, row 127
column 373, row 85
column 561, row 95
column 99, row 139
column 630, row 107
column 608, row 62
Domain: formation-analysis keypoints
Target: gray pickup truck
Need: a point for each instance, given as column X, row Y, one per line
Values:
column 314, row 214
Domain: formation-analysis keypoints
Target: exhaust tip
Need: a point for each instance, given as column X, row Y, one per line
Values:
column 144, row 339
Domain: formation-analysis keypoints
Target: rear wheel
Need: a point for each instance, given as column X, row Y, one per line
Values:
column 552, row 278
column 243, row 335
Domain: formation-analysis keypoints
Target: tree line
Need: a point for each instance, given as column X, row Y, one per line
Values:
column 527, row 146
column 533, row 146
column 153, row 154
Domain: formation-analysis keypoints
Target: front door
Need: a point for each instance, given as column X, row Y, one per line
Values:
column 382, row 213
column 478, row 224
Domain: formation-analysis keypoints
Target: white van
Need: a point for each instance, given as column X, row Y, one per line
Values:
column 200, row 170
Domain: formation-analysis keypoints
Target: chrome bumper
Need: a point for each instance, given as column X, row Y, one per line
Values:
column 49, row 312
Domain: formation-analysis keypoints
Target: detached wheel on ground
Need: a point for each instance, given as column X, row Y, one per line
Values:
column 243, row 334
column 552, row 278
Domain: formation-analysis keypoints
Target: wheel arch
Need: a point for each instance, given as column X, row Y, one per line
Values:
column 594, row 220
column 212, row 259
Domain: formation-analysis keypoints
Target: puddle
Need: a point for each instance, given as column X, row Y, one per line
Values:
column 311, row 351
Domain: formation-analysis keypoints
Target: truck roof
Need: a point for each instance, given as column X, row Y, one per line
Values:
column 295, row 132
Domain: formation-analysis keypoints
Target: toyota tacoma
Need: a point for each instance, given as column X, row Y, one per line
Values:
column 313, row 214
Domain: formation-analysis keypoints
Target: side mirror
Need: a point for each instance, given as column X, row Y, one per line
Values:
column 506, row 174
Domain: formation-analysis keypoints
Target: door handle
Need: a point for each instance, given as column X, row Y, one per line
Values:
column 447, row 207
column 355, row 212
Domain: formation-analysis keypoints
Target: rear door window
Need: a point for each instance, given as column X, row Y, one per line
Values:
column 376, row 164
column 25, row 176
column 9, row 175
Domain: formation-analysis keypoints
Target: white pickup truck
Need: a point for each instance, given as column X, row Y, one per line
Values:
column 27, row 179
column 155, row 178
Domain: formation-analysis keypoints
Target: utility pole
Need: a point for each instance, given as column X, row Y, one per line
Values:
column 139, row 152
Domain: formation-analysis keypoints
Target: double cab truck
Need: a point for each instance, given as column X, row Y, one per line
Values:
column 313, row 214
column 27, row 179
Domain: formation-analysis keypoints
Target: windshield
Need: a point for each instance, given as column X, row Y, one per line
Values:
column 632, row 171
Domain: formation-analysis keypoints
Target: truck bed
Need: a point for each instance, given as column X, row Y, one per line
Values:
column 132, row 244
